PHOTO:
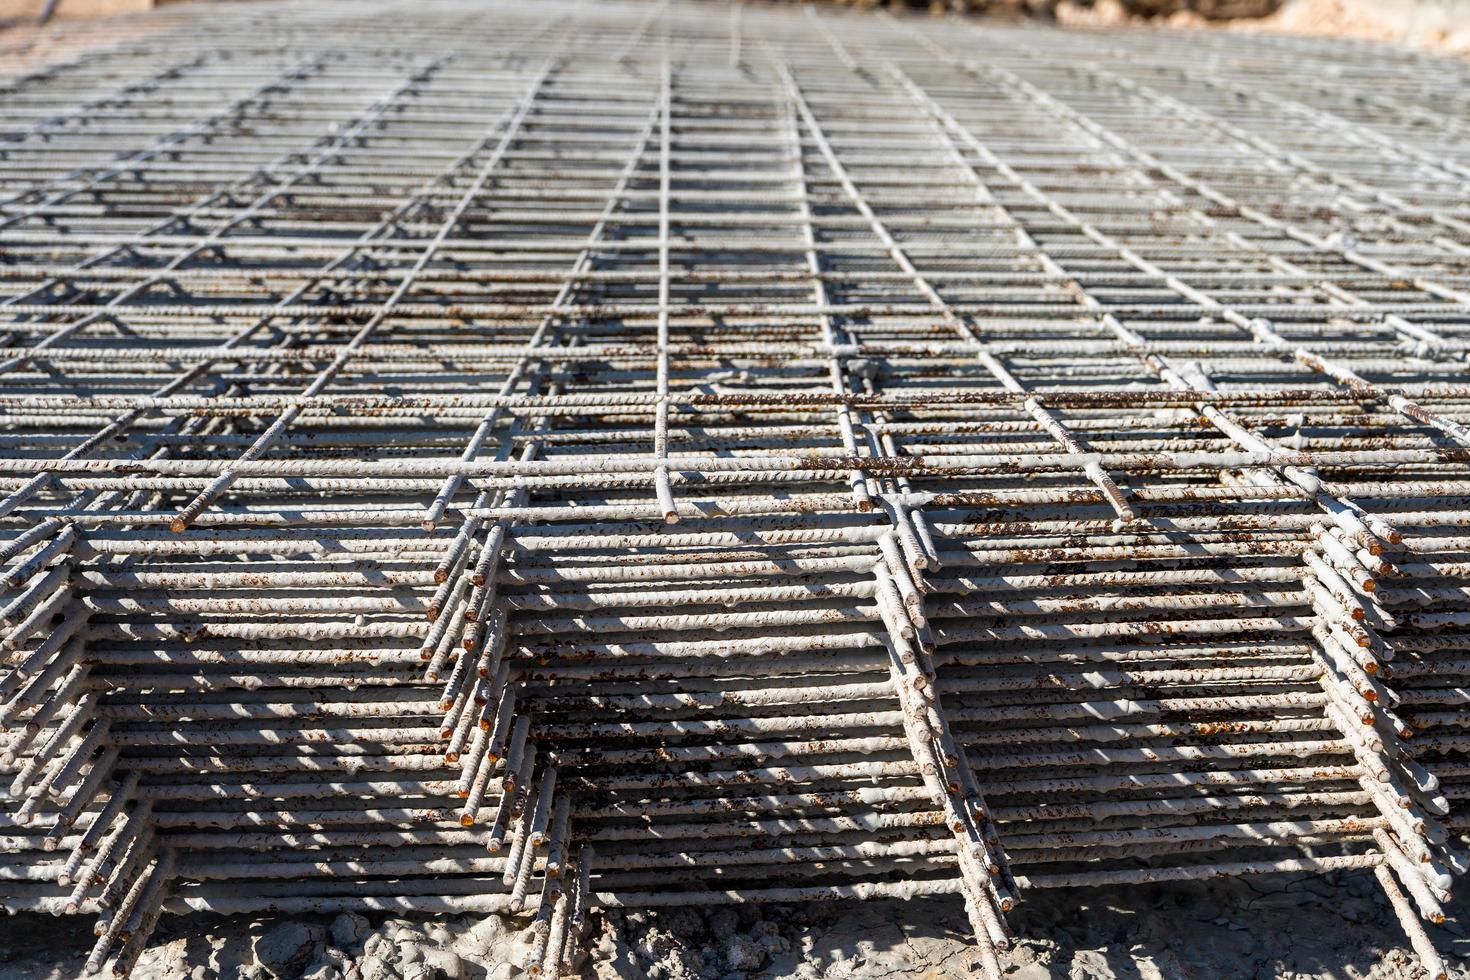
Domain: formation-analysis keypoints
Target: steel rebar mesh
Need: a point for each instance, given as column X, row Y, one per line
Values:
column 563, row 456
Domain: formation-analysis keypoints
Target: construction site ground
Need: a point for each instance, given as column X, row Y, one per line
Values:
column 1201, row 930
column 1336, row 925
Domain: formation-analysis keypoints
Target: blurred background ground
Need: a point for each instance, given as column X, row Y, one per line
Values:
column 1438, row 25
column 76, row 26
column 1224, row 922
column 73, row 9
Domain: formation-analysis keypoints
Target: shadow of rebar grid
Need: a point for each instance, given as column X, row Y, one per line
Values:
column 492, row 456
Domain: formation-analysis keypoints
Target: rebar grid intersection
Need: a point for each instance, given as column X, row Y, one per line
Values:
column 584, row 455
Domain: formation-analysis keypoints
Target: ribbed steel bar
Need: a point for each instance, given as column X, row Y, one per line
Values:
column 499, row 457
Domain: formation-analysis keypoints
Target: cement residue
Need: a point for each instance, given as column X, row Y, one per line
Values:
column 1335, row 927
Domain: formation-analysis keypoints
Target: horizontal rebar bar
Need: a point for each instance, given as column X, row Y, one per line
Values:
column 561, row 456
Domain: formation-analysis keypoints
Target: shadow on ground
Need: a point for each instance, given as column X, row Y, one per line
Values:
column 1266, row 928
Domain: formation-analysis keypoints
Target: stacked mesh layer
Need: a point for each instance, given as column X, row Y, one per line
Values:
column 566, row 457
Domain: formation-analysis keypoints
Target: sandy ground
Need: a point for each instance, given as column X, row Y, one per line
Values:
column 78, row 26
column 1438, row 25
column 74, row 9
column 1266, row 929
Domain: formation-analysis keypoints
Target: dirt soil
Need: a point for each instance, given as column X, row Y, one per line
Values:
column 1270, row 928
column 1437, row 25
column 78, row 26
column 1441, row 26
column 1266, row 928
column 74, row 9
